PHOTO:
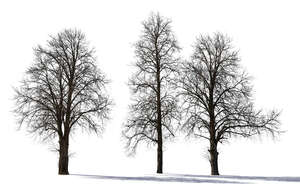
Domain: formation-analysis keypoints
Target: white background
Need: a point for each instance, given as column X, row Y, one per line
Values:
column 267, row 33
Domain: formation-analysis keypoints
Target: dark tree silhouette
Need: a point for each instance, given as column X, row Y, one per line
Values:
column 217, row 96
column 63, row 90
column 154, row 108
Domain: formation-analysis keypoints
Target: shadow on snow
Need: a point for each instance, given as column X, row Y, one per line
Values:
column 163, row 178
column 188, row 178
column 237, row 177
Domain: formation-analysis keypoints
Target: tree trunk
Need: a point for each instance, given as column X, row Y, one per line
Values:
column 159, row 153
column 159, row 117
column 63, row 163
column 213, row 158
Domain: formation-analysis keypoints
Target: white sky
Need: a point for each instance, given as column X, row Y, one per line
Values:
column 265, row 32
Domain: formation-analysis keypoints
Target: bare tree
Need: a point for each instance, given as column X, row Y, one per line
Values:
column 63, row 90
column 218, row 96
column 155, row 108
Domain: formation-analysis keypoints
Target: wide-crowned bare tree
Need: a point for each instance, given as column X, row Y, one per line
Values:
column 154, row 109
column 217, row 95
column 63, row 90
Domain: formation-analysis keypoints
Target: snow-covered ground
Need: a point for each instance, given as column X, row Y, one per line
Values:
column 165, row 182
column 226, row 179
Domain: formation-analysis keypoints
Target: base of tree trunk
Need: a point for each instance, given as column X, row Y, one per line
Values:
column 159, row 159
column 63, row 173
column 214, row 162
column 63, row 163
column 215, row 173
column 63, row 169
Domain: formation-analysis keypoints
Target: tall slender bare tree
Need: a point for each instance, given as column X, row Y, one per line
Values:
column 63, row 90
column 217, row 96
column 155, row 108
